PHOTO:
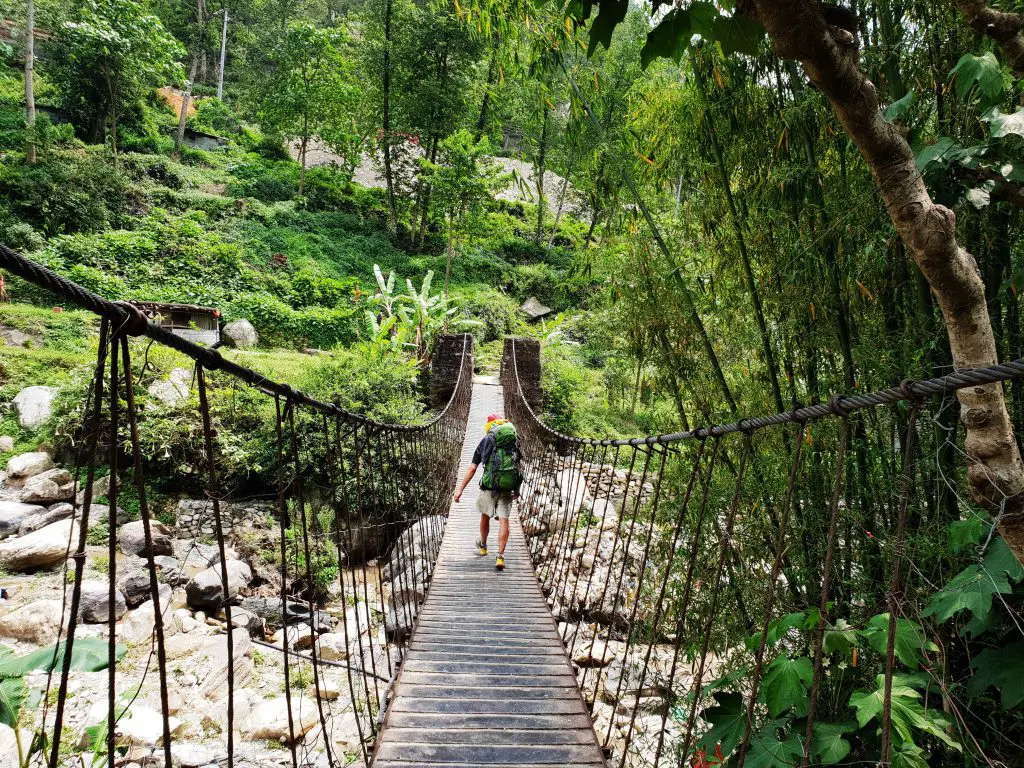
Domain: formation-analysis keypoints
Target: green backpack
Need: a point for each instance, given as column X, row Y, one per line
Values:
column 502, row 470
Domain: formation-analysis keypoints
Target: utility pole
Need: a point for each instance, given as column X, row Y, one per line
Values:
column 223, row 51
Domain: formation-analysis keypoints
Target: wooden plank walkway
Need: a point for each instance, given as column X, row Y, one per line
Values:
column 486, row 680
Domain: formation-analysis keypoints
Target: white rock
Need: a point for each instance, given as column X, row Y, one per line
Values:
column 174, row 390
column 100, row 487
column 328, row 689
column 6, row 443
column 331, row 647
column 185, row 755
column 131, row 538
column 269, row 720
column 206, row 591
column 139, row 624
column 48, row 487
column 595, row 654
column 212, row 664
column 26, row 465
column 95, row 606
column 144, row 727
column 34, row 406
column 240, row 334
column 13, row 515
column 47, row 546
column 38, row 622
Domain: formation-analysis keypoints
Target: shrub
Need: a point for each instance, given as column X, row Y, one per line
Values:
column 214, row 116
column 324, row 328
column 497, row 313
column 310, row 289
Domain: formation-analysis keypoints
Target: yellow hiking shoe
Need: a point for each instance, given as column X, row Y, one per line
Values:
column 481, row 547
column 499, row 562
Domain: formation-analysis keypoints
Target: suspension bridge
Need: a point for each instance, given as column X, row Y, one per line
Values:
column 655, row 586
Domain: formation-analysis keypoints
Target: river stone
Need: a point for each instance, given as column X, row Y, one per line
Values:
column 212, row 664
column 595, row 654
column 14, row 514
column 240, row 334
column 398, row 621
column 38, row 622
column 34, row 406
column 205, row 590
column 331, row 647
column 95, row 605
column 144, row 727
column 6, row 443
column 270, row 610
column 26, row 465
column 269, row 720
column 131, row 538
column 42, row 519
column 135, row 588
column 49, row 486
column 100, row 487
column 138, row 625
column 47, row 546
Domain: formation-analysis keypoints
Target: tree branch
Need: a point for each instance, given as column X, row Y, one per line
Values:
column 830, row 58
column 1004, row 28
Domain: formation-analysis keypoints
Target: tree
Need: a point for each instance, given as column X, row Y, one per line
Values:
column 462, row 181
column 310, row 90
column 107, row 57
column 30, row 98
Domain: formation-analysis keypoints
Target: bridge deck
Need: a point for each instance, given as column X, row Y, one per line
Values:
column 486, row 680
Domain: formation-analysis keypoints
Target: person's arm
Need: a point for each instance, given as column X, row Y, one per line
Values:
column 465, row 481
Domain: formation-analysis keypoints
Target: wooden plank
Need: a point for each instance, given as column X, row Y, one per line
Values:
column 497, row 754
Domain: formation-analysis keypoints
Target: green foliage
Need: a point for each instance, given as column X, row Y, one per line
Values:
column 1001, row 668
column 910, row 718
column 910, row 645
column 785, row 685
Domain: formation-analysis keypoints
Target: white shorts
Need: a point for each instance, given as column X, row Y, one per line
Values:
column 495, row 504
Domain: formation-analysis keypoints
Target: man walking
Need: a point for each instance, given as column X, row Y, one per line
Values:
column 498, row 453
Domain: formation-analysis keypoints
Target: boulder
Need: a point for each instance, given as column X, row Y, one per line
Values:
column 49, row 486
column 327, row 689
column 14, row 514
column 534, row 310
column 594, row 654
column 12, row 337
column 135, row 588
column 100, row 487
column 170, row 570
column 38, row 622
column 269, row 720
column 331, row 647
column 174, row 390
column 239, row 334
column 271, row 611
column 212, row 664
column 47, row 546
column 144, row 727
column 42, row 519
column 131, row 538
column 25, row 465
column 205, row 590
column 139, row 624
column 185, row 755
column 34, row 406
column 95, row 606
column 398, row 621
column 6, row 443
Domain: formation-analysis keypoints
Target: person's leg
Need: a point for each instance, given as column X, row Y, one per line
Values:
column 484, row 505
column 485, row 528
column 502, row 535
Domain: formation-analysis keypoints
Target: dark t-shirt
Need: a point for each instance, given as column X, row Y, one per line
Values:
column 484, row 450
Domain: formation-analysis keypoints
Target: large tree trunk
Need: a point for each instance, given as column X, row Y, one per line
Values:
column 830, row 58
column 30, row 97
column 541, row 156
column 1003, row 28
column 389, row 177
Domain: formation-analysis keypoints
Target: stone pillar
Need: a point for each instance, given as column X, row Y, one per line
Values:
column 527, row 365
column 445, row 365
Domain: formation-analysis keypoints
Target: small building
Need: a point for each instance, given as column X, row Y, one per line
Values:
column 198, row 324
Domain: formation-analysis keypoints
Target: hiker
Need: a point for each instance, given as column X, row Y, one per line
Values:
column 499, row 485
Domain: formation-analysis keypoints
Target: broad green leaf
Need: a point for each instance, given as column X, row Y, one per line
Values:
column 908, row 715
column 1002, row 668
column 766, row 751
column 13, row 692
column 975, row 587
column 828, row 744
column 983, row 71
column 1001, row 125
column 738, row 34
column 785, row 685
column 702, row 19
column 89, row 654
column 728, row 720
column 609, row 14
column 669, row 39
column 940, row 154
column 840, row 638
column 910, row 639
column 898, row 109
column 909, row 756
column 778, row 629
column 964, row 533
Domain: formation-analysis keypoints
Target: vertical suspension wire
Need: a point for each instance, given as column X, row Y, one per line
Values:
column 283, row 520
column 894, row 598
column 780, row 550
column 213, row 494
column 300, row 501
column 154, row 587
column 578, row 493
column 826, row 579
column 663, row 586
column 93, row 425
column 112, row 495
column 716, row 589
column 691, row 566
